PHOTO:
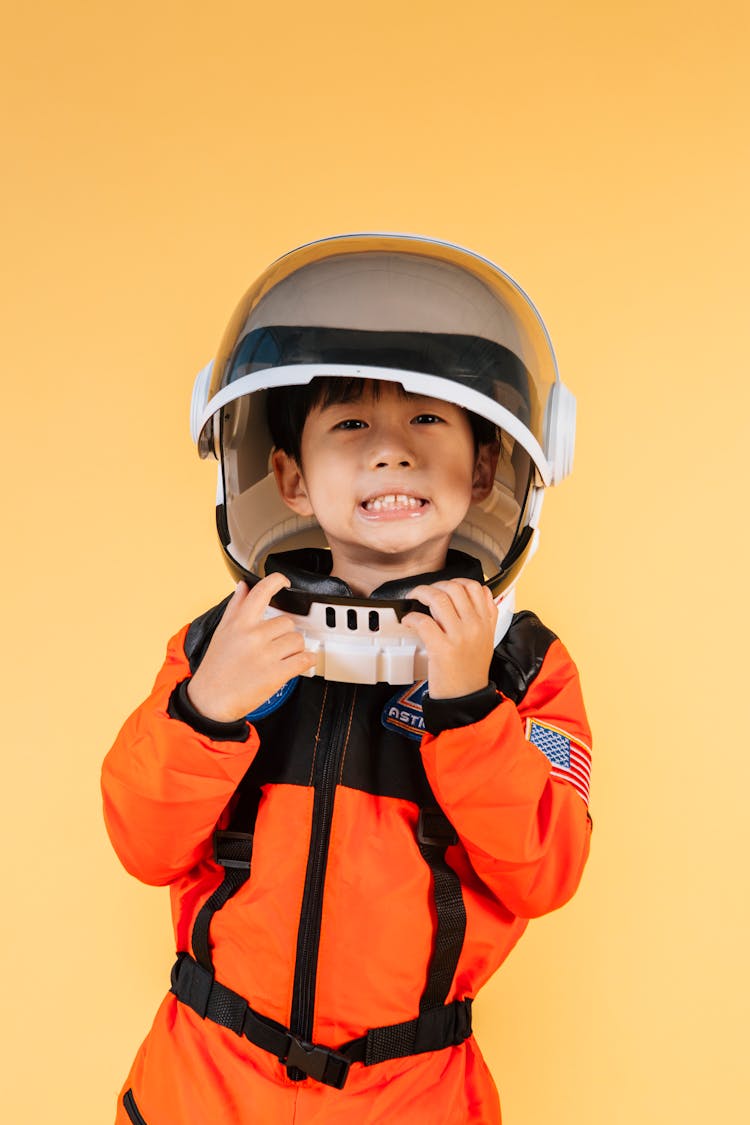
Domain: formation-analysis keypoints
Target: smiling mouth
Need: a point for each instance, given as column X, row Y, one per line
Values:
column 393, row 502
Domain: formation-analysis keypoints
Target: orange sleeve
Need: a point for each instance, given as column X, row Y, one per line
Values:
column 525, row 827
column 165, row 785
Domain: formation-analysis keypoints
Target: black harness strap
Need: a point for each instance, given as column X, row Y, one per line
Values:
column 234, row 851
column 435, row 834
column 438, row 1024
column 440, row 1027
column 432, row 1030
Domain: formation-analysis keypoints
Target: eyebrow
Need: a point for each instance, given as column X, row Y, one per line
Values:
column 353, row 391
column 353, row 397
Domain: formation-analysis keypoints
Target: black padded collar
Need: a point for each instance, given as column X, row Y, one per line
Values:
column 309, row 569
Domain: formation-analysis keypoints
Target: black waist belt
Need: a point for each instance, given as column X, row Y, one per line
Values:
column 434, row 1029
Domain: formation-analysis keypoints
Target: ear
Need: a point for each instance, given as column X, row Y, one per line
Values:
column 484, row 471
column 290, row 483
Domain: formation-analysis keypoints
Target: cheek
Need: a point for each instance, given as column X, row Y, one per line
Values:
column 460, row 472
column 323, row 471
column 328, row 493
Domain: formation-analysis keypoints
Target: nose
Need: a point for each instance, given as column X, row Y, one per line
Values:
column 391, row 448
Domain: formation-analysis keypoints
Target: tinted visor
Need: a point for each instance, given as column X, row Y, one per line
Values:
column 482, row 365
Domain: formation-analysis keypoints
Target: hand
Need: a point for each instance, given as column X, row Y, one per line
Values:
column 459, row 637
column 248, row 658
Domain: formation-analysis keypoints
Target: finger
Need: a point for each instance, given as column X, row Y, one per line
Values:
column 459, row 595
column 277, row 625
column 260, row 596
column 286, row 644
column 492, row 606
column 428, row 594
column 427, row 629
column 453, row 588
column 474, row 603
column 236, row 601
column 299, row 663
column 480, row 597
column 470, row 585
column 288, row 652
column 439, row 603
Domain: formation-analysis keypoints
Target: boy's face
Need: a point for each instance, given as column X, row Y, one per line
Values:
column 389, row 479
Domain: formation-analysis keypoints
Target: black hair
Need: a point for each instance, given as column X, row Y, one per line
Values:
column 287, row 409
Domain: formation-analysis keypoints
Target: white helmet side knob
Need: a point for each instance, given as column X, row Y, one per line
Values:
column 199, row 399
column 560, row 431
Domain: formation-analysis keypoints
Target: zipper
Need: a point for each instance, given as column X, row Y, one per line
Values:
column 132, row 1109
column 339, row 703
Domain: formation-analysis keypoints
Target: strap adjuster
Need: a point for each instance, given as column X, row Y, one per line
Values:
column 192, row 983
column 463, row 1020
column 320, row 1063
column 435, row 830
column 233, row 849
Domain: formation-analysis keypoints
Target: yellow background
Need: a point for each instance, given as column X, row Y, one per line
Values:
column 156, row 156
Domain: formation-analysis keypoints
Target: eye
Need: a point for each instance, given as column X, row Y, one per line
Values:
column 426, row 419
column 351, row 424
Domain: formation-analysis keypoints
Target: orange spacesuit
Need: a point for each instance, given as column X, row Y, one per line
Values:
column 347, row 869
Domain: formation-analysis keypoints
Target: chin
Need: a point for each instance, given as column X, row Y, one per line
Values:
column 406, row 553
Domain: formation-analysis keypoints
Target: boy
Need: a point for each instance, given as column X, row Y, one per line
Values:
column 349, row 863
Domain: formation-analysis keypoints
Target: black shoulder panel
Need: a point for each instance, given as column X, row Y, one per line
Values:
column 200, row 632
column 520, row 655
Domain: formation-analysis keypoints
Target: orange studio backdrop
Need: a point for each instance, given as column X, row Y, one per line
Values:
column 156, row 157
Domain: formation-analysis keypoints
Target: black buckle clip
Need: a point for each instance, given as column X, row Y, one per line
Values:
column 435, row 830
column 320, row 1063
column 233, row 849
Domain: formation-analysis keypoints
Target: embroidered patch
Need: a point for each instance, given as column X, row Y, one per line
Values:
column 570, row 759
column 404, row 711
column 274, row 701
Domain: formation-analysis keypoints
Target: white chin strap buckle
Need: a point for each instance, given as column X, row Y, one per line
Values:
column 366, row 644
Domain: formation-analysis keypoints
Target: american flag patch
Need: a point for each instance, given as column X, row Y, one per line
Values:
column 570, row 759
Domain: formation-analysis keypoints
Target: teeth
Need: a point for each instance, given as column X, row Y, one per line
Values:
column 392, row 501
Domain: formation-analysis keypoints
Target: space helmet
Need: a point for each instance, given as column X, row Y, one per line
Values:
column 437, row 319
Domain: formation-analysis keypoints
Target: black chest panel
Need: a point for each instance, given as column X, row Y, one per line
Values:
column 375, row 760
